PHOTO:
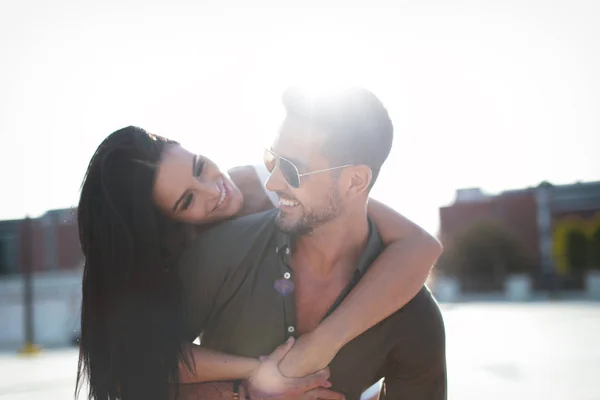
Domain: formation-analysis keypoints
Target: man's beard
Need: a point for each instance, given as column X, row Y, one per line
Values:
column 312, row 219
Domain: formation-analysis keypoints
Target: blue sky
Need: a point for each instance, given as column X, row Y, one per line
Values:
column 495, row 95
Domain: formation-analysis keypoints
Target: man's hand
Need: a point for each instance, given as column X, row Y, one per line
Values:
column 267, row 382
column 313, row 394
column 321, row 394
column 308, row 355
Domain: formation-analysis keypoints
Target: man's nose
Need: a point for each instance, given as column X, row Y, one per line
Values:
column 276, row 182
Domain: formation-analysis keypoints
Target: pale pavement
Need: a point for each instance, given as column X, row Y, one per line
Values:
column 495, row 351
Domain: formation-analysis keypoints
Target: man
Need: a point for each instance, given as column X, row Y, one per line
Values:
column 305, row 256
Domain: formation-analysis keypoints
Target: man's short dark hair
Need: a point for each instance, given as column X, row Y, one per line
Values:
column 357, row 126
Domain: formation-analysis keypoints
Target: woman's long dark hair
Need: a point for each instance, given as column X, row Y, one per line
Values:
column 132, row 304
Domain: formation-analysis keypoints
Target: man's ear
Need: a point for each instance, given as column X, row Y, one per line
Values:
column 359, row 179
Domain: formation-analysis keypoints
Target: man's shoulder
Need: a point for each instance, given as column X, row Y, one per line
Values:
column 422, row 311
column 422, row 302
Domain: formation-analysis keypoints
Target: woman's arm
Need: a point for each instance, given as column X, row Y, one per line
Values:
column 210, row 365
column 266, row 381
column 262, row 375
column 394, row 278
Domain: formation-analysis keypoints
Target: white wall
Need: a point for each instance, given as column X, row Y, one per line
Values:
column 57, row 302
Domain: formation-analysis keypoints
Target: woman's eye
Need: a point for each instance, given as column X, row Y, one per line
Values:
column 187, row 202
column 200, row 165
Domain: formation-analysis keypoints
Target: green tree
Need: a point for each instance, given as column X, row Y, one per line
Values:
column 483, row 255
column 594, row 250
column 577, row 251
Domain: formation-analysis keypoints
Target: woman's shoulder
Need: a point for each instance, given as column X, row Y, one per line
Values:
column 233, row 233
column 241, row 225
column 226, row 245
column 251, row 179
column 242, row 231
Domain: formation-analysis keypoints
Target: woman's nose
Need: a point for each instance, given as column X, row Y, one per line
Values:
column 211, row 188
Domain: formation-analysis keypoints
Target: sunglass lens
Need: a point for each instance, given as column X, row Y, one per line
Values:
column 290, row 173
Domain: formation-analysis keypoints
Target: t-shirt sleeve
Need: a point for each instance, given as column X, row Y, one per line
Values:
column 209, row 261
column 416, row 367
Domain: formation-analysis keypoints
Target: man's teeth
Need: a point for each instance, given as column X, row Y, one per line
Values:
column 288, row 203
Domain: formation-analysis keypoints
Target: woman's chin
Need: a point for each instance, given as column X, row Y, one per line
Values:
column 237, row 202
column 233, row 207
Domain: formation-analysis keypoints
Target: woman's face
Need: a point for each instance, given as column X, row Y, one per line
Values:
column 191, row 188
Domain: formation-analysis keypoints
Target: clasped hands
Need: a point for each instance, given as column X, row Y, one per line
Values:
column 288, row 373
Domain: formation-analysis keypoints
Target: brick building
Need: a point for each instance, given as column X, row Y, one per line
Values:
column 54, row 243
column 541, row 217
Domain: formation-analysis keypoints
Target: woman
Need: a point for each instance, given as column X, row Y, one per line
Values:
column 143, row 198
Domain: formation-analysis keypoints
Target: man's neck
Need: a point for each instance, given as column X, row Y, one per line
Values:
column 338, row 242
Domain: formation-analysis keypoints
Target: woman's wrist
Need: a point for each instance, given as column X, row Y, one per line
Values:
column 327, row 336
column 253, row 364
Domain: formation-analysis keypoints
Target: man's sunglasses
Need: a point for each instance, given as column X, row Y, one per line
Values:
column 289, row 170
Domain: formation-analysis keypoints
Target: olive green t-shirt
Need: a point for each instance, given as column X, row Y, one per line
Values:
column 240, row 298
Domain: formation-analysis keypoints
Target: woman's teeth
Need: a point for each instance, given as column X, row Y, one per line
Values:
column 223, row 194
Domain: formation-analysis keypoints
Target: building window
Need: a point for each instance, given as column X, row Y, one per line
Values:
column 8, row 255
